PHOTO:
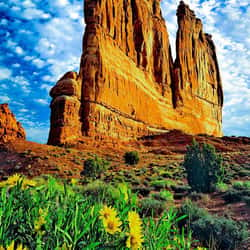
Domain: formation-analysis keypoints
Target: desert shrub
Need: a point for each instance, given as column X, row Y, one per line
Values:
column 166, row 174
column 151, row 207
column 246, row 199
column 203, row 166
column 244, row 173
column 161, row 184
column 226, row 233
column 241, row 185
column 180, row 188
column 192, row 211
column 94, row 167
column 221, row 187
column 163, row 196
column 236, row 195
column 131, row 158
column 194, row 196
column 142, row 190
column 101, row 191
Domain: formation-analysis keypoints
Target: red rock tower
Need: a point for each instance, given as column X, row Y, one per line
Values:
column 10, row 128
column 128, row 85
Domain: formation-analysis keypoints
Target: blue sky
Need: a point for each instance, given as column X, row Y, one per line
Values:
column 41, row 40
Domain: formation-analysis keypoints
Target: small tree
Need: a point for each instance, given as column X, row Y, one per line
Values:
column 131, row 158
column 203, row 166
column 94, row 167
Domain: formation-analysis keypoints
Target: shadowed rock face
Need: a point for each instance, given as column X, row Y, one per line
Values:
column 128, row 85
column 10, row 129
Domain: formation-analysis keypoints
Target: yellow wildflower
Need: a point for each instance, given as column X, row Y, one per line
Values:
column 20, row 247
column 201, row 248
column 107, row 212
column 12, row 181
column 74, row 181
column 11, row 246
column 16, row 178
column 65, row 247
column 176, row 239
column 1, row 248
column 28, row 183
column 169, row 247
column 112, row 225
column 134, row 220
column 134, row 240
column 41, row 220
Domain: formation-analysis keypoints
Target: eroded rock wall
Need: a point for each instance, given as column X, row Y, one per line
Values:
column 10, row 128
column 197, row 81
column 125, row 67
column 128, row 85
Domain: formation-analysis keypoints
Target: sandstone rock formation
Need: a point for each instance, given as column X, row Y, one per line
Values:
column 128, row 85
column 65, row 110
column 10, row 129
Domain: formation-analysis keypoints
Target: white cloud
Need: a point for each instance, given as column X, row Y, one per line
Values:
column 44, row 102
column 4, row 99
column 21, row 83
column 46, row 78
column 46, row 87
column 5, row 73
column 32, row 13
column 61, row 3
column 19, row 50
column 4, row 22
column 39, row 63
column 23, row 110
column 16, row 65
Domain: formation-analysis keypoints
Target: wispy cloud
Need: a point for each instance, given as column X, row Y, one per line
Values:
column 5, row 73
column 4, row 99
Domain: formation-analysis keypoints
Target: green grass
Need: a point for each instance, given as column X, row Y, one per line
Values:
column 50, row 214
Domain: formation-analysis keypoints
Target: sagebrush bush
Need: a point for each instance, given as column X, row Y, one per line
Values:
column 180, row 188
column 237, row 193
column 101, row 191
column 151, row 207
column 204, row 167
column 221, row 187
column 142, row 190
column 164, row 196
column 131, row 158
column 241, row 185
column 161, row 184
column 192, row 211
column 225, row 233
column 94, row 167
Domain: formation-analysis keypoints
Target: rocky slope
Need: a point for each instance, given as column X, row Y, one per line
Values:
column 10, row 128
column 128, row 85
